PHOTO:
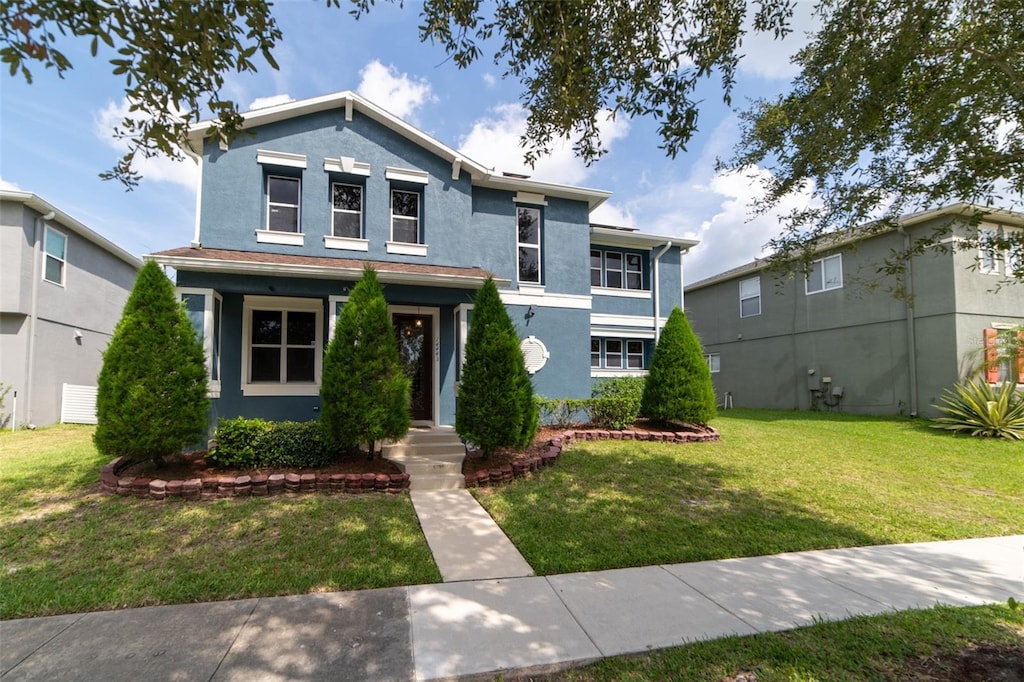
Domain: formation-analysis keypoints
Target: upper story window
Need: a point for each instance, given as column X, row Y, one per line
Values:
column 616, row 270
column 283, row 203
column 750, row 297
column 405, row 216
column 825, row 274
column 347, row 210
column 55, row 246
column 528, row 220
column 989, row 255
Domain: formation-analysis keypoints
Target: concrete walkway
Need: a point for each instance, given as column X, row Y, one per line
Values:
column 481, row 627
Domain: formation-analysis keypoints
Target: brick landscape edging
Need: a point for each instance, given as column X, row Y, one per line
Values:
column 260, row 485
column 519, row 468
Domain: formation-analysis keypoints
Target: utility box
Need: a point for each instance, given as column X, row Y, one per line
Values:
column 813, row 379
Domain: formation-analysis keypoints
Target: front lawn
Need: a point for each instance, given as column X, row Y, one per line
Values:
column 66, row 548
column 778, row 481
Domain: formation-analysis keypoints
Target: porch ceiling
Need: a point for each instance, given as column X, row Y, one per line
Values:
column 316, row 267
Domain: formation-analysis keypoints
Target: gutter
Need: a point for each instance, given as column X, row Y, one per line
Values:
column 911, row 336
column 654, row 290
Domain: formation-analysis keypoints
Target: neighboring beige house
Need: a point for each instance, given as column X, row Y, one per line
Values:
column 827, row 341
column 62, row 290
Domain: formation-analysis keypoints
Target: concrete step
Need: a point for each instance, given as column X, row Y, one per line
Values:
column 430, row 449
column 418, row 466
column 428, row 482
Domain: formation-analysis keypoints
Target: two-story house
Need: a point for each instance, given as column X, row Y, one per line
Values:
column 62, row 289
column 828, row 340
column 291, row 210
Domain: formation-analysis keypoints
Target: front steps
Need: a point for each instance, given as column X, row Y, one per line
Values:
column 431, row 456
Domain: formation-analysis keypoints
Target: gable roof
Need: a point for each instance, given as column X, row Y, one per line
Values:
column 199, row 259
column 43, row 207
column 990, row 215
column 351, row 103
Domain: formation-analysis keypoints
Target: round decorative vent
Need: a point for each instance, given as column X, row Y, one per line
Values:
column 535, row 354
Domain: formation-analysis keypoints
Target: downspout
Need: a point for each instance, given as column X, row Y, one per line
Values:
column 911, row 339
column 654, row 290
column 30, row 363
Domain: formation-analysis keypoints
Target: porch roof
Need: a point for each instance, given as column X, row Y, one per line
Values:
column 317, row 267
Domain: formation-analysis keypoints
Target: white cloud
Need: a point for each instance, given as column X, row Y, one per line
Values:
column 156, row 168
column 766, row 57
column 273, row 100
column 490, row 80
column 610, row 213
column 494, row 142
column 8, row 185
column 399, row 93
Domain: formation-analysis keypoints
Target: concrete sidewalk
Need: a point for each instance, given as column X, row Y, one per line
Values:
column 480, row 627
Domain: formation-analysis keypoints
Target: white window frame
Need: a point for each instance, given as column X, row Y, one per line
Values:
column 603, row 370
column 988, row 263
column 297, row 206
column 1013, row 259
column 335, row 210
column 419, row 214
column 211, row 340
column 333, row 313
column 63, row 260
column 283, row 304
column 626, row 271
column 461, row 334
column 599, row 269
column 714, row 361
column 750, row 296
column 538, row 247
column 821, row 265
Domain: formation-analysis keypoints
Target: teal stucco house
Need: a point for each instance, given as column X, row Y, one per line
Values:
column 290, row 211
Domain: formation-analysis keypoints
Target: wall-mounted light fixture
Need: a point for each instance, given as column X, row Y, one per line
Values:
column 530, row 313
column 78, row 336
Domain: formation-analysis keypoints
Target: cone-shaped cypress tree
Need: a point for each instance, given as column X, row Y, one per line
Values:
column 679, row 384
column 495, row 407
column 151, row 401
column 365, row 394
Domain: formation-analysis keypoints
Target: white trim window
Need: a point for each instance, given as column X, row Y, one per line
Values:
column 826, row 274
column 55, row 253
column 346, row 210
column 616, row 354
column 750, row 297
column 203, row 308
column 282, row 345
column 463, row 318
column 283, row 203
column 528, row 243
column 405, row 216
column 714, row 361
column 616, row 270
column 988, row 263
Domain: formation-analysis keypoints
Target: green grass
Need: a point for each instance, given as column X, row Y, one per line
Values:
column 778, row 481
column 897, row 646
column 66, row 548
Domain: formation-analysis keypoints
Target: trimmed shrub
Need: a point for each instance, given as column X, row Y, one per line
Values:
column 495, row 407
column 364, row 391
column 151, row 400
column 615, row 402
column 678, row 385
column 978, row 409
column 561, row 412
column 253, row 443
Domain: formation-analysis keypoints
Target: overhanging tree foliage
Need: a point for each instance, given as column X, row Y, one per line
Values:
column 900, row 106
column 678, row 385
column 365, row 394
column 495, row 407
column 151, row 398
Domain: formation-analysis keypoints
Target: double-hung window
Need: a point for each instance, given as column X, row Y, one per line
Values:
column 616, row 270
column 55, row 246
column 714, row 361
column 282, row 203
column 528, row 242
column 750, row 297
column 282, row 345
column 405, row 216
column 634, row 272
column 616, row 354
column 347, row 210
column 825, row 274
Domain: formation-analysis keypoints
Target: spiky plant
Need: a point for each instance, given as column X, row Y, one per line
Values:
column 979, row 409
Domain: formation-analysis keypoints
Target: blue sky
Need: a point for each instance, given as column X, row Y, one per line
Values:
column 55, row 135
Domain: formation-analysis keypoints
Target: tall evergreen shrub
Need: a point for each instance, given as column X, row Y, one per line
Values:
column 151, row 401
column 365, row 394
column 495, row 407
column 678, row 385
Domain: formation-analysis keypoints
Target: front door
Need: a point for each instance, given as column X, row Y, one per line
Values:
column 415, row 340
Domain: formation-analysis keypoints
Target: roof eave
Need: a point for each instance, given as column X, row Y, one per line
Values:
column 612, row 237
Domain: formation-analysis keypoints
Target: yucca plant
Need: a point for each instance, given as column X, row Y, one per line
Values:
column 979, row 409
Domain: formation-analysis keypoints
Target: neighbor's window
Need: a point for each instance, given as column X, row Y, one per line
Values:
column 55, row 245
column 405, row 216
column 282, row 204
column 750, row 297
column 714, row 362
column 825, row 274
column 282, row 348
column 347, row 210
column 528, row 242
column 987, row 262
column 1004, row 355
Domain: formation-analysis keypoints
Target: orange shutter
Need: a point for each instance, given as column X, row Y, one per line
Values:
column 991, row 356
column 1020, row 356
